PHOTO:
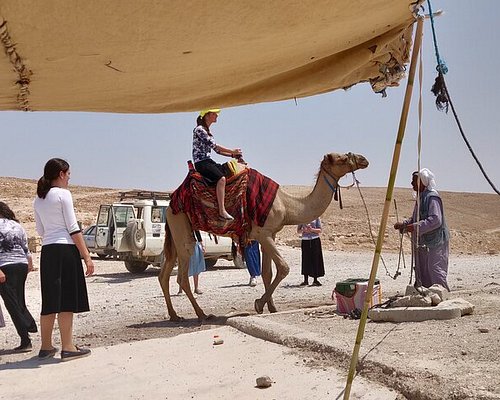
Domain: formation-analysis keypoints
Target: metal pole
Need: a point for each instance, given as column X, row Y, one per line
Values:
column 387, row 204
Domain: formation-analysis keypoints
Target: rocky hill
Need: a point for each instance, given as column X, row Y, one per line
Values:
column 474, row 219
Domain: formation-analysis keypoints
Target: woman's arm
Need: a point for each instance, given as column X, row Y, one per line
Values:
column 224, row 151
column 24, row 246
column 434, row 219
column 75, row 232
column 84, row 252
column 30, row 262
column 38, row 224
column 69, row 212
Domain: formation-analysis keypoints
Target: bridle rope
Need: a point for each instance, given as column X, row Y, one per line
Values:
column 335, row 187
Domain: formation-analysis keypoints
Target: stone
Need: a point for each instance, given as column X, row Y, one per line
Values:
column 464, row 306
column 410, row 290
column 440, row 291
column 412, row 301
column 435, row 299
column 264, row 381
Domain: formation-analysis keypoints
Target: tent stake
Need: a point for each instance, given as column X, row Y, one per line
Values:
column 387, row 205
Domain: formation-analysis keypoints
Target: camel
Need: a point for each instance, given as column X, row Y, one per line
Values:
column 286, row 210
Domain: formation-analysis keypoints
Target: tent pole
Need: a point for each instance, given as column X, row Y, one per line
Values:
column 387, row 205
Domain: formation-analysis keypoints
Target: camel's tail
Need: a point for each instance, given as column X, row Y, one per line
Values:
column 169, row 250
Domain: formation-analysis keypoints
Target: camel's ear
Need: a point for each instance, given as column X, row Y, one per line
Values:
column 330, row 159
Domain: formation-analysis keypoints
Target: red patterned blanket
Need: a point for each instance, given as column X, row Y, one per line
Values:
column 249, row 197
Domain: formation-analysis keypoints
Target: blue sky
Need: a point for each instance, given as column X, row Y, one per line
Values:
column 286, row 141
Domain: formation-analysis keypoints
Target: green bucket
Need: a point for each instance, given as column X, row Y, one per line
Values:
column 347, row 288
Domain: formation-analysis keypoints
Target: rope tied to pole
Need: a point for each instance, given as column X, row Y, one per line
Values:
column 398, row 272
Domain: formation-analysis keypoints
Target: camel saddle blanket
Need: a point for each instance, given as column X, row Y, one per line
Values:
column 249, row 197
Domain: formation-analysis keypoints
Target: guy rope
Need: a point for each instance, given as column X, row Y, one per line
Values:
column 385, row 213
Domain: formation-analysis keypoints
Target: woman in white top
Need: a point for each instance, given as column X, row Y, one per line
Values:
column 62, row 281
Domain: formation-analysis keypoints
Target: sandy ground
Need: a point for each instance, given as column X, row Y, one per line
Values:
column 157, row 369
column 455, row 359
column 428, row 360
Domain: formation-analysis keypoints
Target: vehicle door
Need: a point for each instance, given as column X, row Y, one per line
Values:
column 89, row 237
column 158, row 218
column 105, row 220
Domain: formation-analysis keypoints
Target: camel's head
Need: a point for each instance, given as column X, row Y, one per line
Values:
column 341, row 164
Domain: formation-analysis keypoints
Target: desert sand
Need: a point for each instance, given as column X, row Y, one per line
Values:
column 127, row 327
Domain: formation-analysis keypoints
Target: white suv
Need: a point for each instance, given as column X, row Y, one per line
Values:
column 133, row 230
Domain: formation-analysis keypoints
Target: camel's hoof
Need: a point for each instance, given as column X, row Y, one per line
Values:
column 259, row 307
column 176, row 318
column 209, row 318
column 204, row 317
column 271, row 308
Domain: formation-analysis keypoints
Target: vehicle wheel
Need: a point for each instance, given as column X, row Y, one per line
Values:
column 136, row 267
column 238, row 261
column 136, row 236
column 210, row 262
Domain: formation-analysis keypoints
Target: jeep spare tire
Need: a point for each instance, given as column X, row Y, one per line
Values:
column 135, row 266
column 136, row 236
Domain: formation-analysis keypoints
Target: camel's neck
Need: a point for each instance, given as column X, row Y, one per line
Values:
column 302, row 210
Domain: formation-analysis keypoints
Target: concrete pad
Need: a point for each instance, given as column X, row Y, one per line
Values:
column 187, row 366
column 448, row 309
column 412, row 314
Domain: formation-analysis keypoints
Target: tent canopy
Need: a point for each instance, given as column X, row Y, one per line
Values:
column 138, row 56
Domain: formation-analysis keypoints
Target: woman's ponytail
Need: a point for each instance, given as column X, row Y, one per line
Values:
column 43, row 187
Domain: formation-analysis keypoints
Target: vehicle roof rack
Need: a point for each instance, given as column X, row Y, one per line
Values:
column 145, row 194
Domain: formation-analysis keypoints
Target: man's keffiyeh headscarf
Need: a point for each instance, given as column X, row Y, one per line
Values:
column 427, row 178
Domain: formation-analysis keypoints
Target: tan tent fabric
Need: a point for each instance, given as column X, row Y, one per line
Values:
column 154, row 56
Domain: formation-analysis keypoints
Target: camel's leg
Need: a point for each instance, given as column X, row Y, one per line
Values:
column 182, row 235
column 267, row 276
column 282, row 270
column 183, row 280
column 164, row 278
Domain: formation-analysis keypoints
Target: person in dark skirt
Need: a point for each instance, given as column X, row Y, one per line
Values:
column 15, row 264
column 312, row 254
column 62, row 280
column 203, row 144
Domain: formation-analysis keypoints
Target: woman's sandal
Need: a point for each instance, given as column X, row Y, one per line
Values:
column 72, row 355
column 44, row 354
